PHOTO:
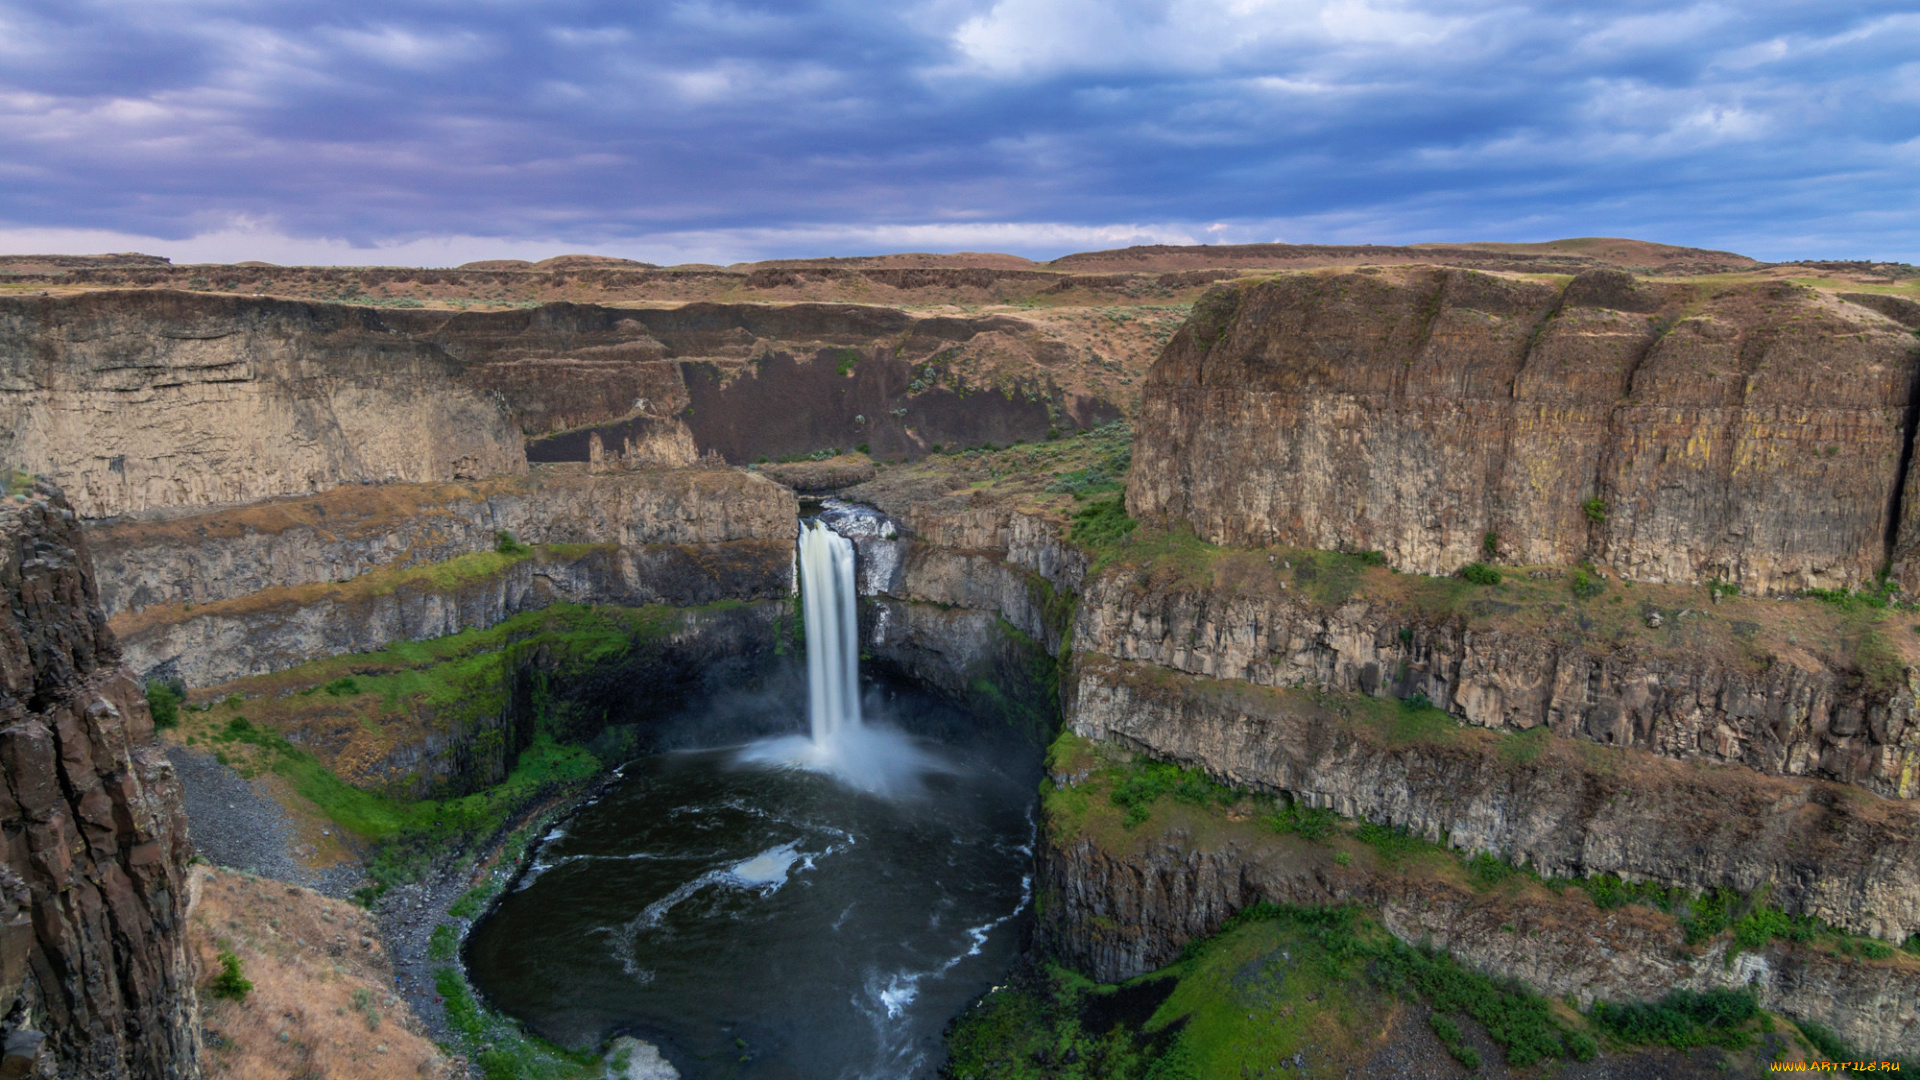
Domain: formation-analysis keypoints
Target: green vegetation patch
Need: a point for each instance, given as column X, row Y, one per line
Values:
column 1275, row 982
column 1142, row 783
column 1683, row 1019
column 164, row 698
column 230, row 983
column 497, row 1046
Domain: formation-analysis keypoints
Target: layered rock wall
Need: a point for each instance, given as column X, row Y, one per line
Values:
column 92, row 898
column 139, row 401
column 1756, row 434
column 339, row 535
column 282, row 628
column 1566, row 809
column 1776, row 718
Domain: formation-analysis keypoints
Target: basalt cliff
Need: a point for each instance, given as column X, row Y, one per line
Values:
column 1754, row 434
column 95, row 978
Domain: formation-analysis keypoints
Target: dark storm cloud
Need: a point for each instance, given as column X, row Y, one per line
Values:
column 737, row 130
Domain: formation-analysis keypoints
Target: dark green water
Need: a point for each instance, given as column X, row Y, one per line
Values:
column 729, row 910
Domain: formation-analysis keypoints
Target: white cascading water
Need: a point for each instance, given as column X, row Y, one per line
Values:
column 833, row 647
column 879, row 759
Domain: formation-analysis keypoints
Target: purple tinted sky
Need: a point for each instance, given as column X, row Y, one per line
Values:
column 433, row 131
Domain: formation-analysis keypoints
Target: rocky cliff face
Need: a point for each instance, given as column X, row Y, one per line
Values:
column 136, row 401
column 1757, row 434
column 220, row 596
column 143, row 400
column 281, row 628
column 1566, row 809
column 346, row 532
column 1662, row 691
column 92, row 903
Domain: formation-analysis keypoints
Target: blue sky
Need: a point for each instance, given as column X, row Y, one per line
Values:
column 436, row 131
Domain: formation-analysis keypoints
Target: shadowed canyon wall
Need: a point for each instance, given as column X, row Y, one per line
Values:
column 1758, row 434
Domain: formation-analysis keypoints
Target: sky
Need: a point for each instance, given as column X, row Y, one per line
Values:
column 433, row 132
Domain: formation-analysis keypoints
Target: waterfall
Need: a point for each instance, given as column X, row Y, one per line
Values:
column 877, row 758
column 833, row 648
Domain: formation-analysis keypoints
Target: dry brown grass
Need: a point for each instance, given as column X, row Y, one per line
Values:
column 322, row 1004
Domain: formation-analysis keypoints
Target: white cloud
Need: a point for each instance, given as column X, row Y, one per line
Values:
column 409, row 50
column 244, row 241
column 1043, row 38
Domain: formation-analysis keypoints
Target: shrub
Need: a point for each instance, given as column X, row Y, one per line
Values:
column 1371, row 557
column 1102, row 523
column 1487, row 869
column 1596, row 509
column 1147, row 782
column 163, row 700
column 505, row 544
column 230, row 984
column 1708, row 915
column 1581, row 1046
column 1306, row 822
column 1480, row 574
column 1587, row 586
column 1490, row 544
column 342, row 687
column 1683, row 1019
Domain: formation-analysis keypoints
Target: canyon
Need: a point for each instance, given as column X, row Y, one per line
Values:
column 416, row 551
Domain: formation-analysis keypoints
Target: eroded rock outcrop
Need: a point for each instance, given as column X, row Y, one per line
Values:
column 139, row 400
column 92, row 900
column 1755, row 433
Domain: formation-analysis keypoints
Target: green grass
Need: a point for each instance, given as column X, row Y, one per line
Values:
column 1307, row 822
column 1101, row 526
column 1142, row 783
column 497, row 1045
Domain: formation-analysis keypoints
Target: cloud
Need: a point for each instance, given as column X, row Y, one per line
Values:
column 738, row 128
column 242, row 241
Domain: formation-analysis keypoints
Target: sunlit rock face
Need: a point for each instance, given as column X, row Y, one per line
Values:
column 92, row 900
column 1756, row 433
